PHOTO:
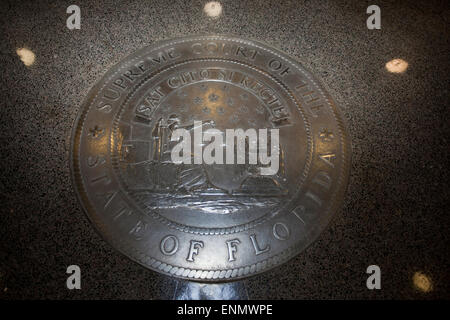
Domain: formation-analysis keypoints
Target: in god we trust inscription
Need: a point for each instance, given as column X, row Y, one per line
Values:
column 211, row 222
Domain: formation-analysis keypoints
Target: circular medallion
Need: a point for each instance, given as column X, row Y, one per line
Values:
column 209, row 157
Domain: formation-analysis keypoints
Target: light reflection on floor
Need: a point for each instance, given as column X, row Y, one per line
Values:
column 422, row 282
column 187, row 290
column 213, row 9
column 26, row 55
column 397, row 66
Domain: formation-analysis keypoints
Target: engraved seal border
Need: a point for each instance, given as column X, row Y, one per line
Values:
column 199, row 274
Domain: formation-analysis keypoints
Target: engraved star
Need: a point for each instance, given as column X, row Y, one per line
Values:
column 182, row 94
column 198, row 100
column 260, row 109
column 244, row 96
column 252, row 122
column 326, row 135
column 205, row 110
column 213, row 97
column 221, row 110
column 226, row 88
column 230, row 101
column 203, row 87
column 96, row 132
column 243, row 109
column 234, row 118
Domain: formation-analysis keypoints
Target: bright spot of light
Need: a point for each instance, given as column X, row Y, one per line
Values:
column 422, row 282
column 213, row 9
column 397, row 66
column 26, row 55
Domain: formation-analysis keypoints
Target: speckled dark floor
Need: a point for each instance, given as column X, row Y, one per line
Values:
column 396, row 211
